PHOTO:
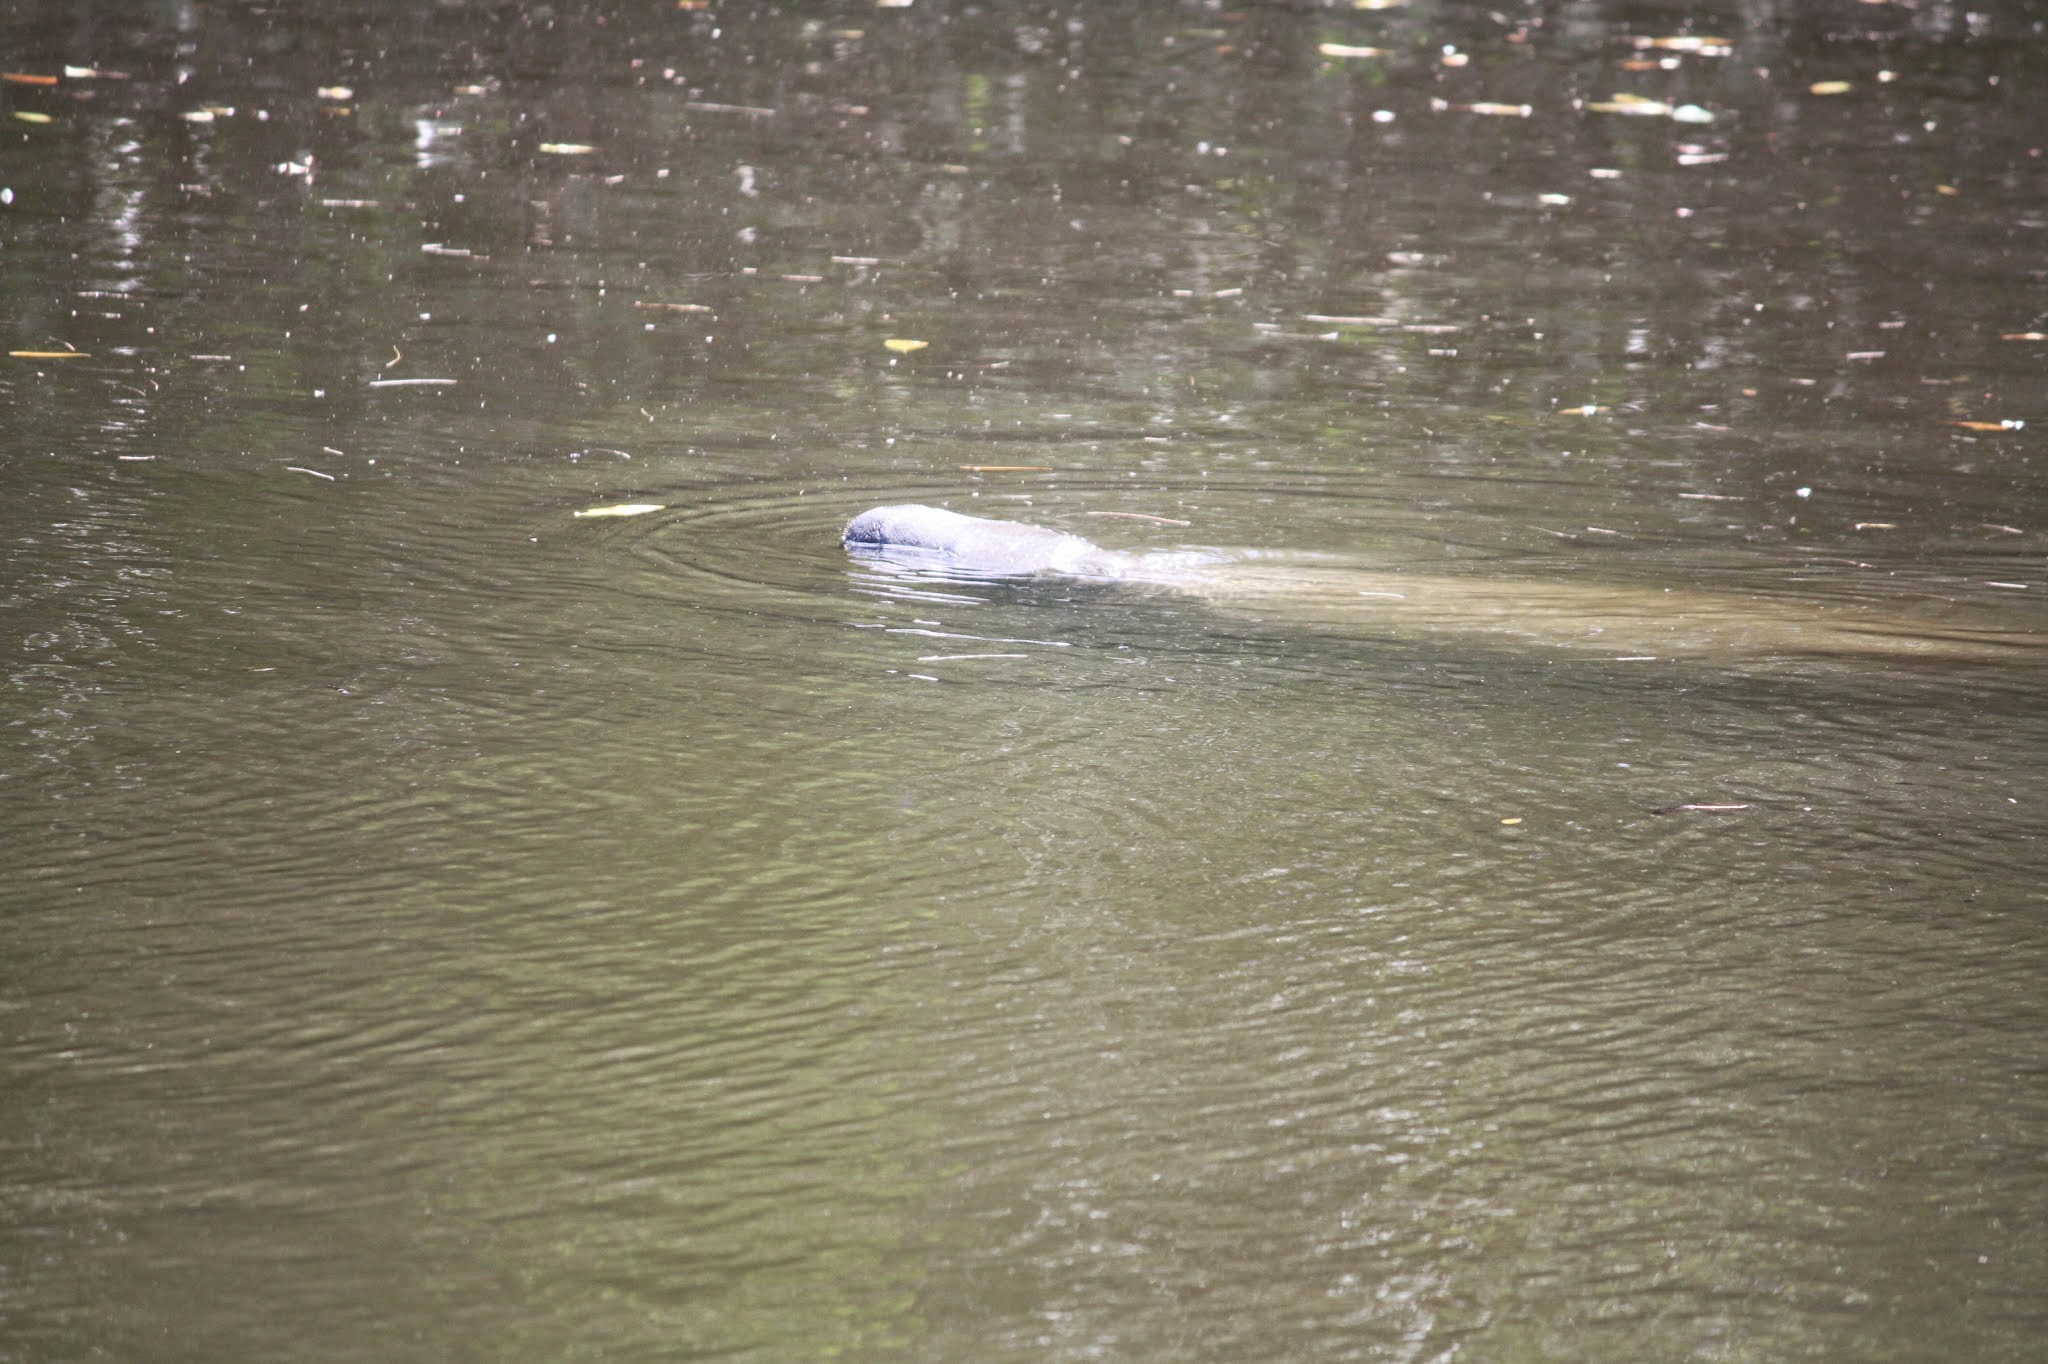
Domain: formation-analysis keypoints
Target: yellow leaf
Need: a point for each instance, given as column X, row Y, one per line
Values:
column 31, row 116
column 1630, row 104
column 49, row 355
column 623, row 509
column 567, row 148
column 903, row 347
column 1830, row 88
column 1347, row 50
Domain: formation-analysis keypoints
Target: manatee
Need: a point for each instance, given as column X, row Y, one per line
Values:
column 919, row 536
column 1636, row 623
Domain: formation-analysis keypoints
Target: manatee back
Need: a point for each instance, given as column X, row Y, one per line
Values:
column 932, row 536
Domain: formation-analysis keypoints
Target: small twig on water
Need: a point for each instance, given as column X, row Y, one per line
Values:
column 1141, row 516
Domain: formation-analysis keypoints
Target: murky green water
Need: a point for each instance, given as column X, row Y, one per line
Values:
column 441, row 927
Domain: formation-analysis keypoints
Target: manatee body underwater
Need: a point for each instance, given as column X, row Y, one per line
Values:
column 1640, row 624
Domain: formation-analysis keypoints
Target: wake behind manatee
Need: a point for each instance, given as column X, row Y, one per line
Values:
column 1350, row 593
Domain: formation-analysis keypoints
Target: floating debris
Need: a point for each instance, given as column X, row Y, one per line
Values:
column 567, row 148
column 1639, row 106
column 1486, row 107
column 1347, row 50
column 1691, row 807
column 621, row 509
column 1636, row 105
column 1335, row 320
column 904, row 346
column 1143, row 516
column 1705, row 47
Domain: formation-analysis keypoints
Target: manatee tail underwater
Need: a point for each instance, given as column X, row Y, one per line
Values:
column 1333, row 591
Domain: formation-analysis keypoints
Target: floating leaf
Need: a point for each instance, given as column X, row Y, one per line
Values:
column 1630, row 104
column 904, row 347
column 26, row 78
column 623, row 509
column 49, row 355
column 1709, row 47
column 2023, row 336
column 335, row 92
column 1830, row 88
column 567, row 148
column 31, row 116
column 1347, row 50
column 1498, row 110
column 2009, row 424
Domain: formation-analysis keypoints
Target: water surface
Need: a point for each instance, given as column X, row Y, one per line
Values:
column 443, row 927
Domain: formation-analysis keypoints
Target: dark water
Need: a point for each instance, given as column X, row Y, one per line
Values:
column 441, row 927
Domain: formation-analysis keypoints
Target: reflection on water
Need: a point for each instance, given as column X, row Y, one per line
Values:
column 441, row 926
